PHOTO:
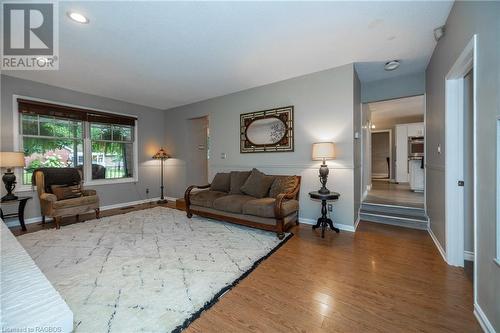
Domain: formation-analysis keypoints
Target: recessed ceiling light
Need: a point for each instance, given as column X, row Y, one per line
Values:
column 77, row 17
column 391, row 65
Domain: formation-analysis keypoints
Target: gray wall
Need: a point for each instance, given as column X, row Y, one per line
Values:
column 466, row 19
column 400, row 86
column 323, row 104
column 151, row 128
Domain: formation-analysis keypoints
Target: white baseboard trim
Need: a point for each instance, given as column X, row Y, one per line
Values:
column 344, row 227
column 483, row 320
column 438, row 245
column 469, row 255
column 15, row 222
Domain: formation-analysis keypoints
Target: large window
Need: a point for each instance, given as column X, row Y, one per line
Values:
column 112, row 151
column 50, row 142
column 100, row 144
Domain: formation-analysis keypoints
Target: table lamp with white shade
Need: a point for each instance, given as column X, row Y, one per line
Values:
column 322, row 151
column 10, row 160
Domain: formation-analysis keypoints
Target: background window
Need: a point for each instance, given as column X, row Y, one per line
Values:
column 50, row 142
column 112, row 151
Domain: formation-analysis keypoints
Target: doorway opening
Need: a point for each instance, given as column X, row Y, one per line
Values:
column 460, row 161
column 198, row 150
column 394, row 152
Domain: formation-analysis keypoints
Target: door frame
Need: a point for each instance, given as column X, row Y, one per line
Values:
column 454, row 166
column 390, row 150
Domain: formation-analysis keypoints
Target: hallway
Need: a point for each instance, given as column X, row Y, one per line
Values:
column 385, row 193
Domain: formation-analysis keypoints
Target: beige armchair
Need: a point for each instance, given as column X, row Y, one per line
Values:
column 44, row 178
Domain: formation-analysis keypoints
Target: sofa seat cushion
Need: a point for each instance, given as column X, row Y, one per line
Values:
column 232, row 203
column 76, row 202
column 205, row 198
column 265, row 207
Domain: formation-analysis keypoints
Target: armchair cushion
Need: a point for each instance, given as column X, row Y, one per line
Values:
column 257, row 184
column 265, row 207
column 66, row 192
column 76, row 202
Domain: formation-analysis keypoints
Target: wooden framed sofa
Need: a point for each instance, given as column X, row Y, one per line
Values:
column 250, row 198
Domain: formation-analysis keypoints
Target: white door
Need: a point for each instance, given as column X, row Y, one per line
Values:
column 401, row 153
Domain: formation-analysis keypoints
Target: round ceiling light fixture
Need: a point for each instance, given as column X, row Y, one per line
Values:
column 392, row 65
column 77, row 17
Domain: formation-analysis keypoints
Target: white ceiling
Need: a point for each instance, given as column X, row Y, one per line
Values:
column 165, row 54
column 396, row 108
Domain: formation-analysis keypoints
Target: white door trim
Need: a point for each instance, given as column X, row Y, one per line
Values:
column 454, row 194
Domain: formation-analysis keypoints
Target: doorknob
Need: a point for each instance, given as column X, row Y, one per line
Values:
column 461, row 183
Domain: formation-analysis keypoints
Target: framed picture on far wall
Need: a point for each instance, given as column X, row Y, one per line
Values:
column 267, row 131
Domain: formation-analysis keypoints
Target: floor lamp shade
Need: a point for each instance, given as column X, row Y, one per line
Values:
column 9, row 160
column 323, row 151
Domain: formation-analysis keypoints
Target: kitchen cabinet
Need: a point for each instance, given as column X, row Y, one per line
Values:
column 416, row 175
column 415, row 129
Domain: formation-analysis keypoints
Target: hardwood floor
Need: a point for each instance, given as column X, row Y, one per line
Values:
column 386, row 193
column 380, row 279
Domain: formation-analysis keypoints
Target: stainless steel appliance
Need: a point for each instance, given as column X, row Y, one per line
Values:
column 415, row 146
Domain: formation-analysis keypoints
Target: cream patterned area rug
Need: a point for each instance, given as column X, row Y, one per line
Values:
column 152, row 270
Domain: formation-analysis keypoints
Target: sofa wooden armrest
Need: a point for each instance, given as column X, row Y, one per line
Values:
column 187, row 197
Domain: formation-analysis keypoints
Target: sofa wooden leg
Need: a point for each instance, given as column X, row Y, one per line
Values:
column 280, row 235
column 189, row 214
column 57, row 221
column 97, row 213
column 43, row 219
column 297, row 222
column 77, row 218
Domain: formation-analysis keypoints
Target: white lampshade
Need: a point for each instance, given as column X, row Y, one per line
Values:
column 323, row 151
column 10, row 159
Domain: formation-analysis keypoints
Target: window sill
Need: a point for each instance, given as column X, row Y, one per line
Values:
column 109, row 181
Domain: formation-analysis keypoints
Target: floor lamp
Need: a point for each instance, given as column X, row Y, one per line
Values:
column 162, row 156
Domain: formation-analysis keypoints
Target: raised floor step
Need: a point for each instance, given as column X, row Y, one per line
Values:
column 409, row 217
column 394, row 220
column 392, row 209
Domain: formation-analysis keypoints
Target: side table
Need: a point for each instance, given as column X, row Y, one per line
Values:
column 324, row 221
column 21, row 201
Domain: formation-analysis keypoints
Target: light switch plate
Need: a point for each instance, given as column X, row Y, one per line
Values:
column 223, row 156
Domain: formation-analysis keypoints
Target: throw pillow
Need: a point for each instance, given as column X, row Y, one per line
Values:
column 257, row 184
column 221, row 182
column 66, row 192
column 282, row 184
column 238, row 178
